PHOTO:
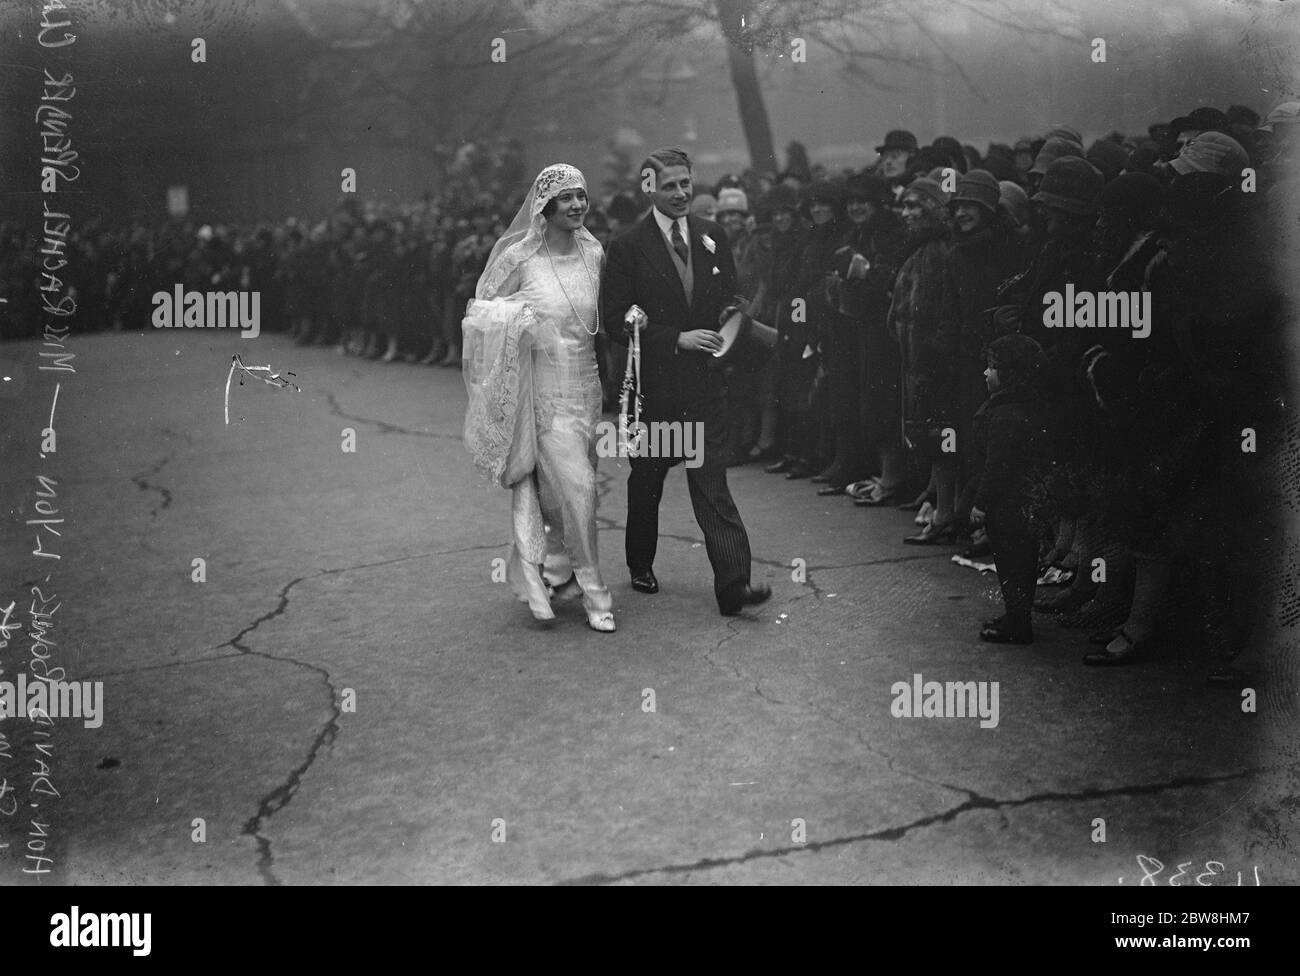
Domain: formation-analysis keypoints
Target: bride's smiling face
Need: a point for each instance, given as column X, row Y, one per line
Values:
column 567, row 209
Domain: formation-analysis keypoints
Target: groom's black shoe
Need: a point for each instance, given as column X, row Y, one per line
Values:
column 645, row 582
column 737, row 596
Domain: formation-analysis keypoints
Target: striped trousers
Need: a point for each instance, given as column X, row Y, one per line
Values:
column 725, row 539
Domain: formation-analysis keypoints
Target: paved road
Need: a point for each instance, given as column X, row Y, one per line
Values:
column 771, row 756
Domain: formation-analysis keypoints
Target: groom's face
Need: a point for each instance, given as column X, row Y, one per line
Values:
column 672, row 192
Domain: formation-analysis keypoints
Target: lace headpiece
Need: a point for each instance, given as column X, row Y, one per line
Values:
column 553, row 181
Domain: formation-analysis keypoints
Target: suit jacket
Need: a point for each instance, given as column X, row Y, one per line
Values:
column 640, row 270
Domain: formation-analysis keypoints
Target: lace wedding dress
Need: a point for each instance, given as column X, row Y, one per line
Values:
column 535, row 401
column 560, row 494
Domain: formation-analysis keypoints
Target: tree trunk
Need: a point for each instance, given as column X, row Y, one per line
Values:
column 744, row 78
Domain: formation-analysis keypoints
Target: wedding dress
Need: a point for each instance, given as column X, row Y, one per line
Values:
column 535, row 399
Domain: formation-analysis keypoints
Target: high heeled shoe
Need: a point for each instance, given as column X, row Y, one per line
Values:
column 863, row 488
column 526, row 581
column 596, row 600
column 1123, row 649
column 935, row 533
column 601, row 620
column 876, row 497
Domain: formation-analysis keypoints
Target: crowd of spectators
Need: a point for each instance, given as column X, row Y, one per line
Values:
column 373, row 280
column 1066, row 361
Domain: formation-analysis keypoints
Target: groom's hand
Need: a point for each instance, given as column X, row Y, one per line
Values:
column 635, row 318
column 699, row 340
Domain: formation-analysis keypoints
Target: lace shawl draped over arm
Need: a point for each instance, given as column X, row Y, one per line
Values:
column 500, row 428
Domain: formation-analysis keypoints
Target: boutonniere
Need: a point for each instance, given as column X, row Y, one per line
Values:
column 708, row 243
column 717, row 270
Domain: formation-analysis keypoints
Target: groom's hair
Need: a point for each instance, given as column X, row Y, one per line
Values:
column 661, row 159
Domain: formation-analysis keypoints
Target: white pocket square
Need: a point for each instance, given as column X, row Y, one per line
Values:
column 717, row 271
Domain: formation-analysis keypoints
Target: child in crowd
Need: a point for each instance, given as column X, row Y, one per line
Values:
column 1012, row 439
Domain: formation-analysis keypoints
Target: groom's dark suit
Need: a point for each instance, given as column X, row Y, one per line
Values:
column 641, row 269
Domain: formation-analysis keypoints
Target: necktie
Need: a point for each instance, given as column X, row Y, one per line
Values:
column 679, row 245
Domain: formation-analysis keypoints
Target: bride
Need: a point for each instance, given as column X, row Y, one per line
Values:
column 535, row 395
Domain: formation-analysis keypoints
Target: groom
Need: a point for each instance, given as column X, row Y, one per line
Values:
column 675, row 275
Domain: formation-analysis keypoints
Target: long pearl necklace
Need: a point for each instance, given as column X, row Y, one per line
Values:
column 564, row 291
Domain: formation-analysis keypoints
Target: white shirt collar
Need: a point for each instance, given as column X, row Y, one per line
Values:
column 666, row 226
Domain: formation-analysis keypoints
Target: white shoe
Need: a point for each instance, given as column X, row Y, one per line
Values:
column 596, row 600
column 601, row 620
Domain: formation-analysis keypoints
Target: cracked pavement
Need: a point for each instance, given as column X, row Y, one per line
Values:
column 371, row 575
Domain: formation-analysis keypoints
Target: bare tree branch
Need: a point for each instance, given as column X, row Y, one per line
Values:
column 952, row 61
